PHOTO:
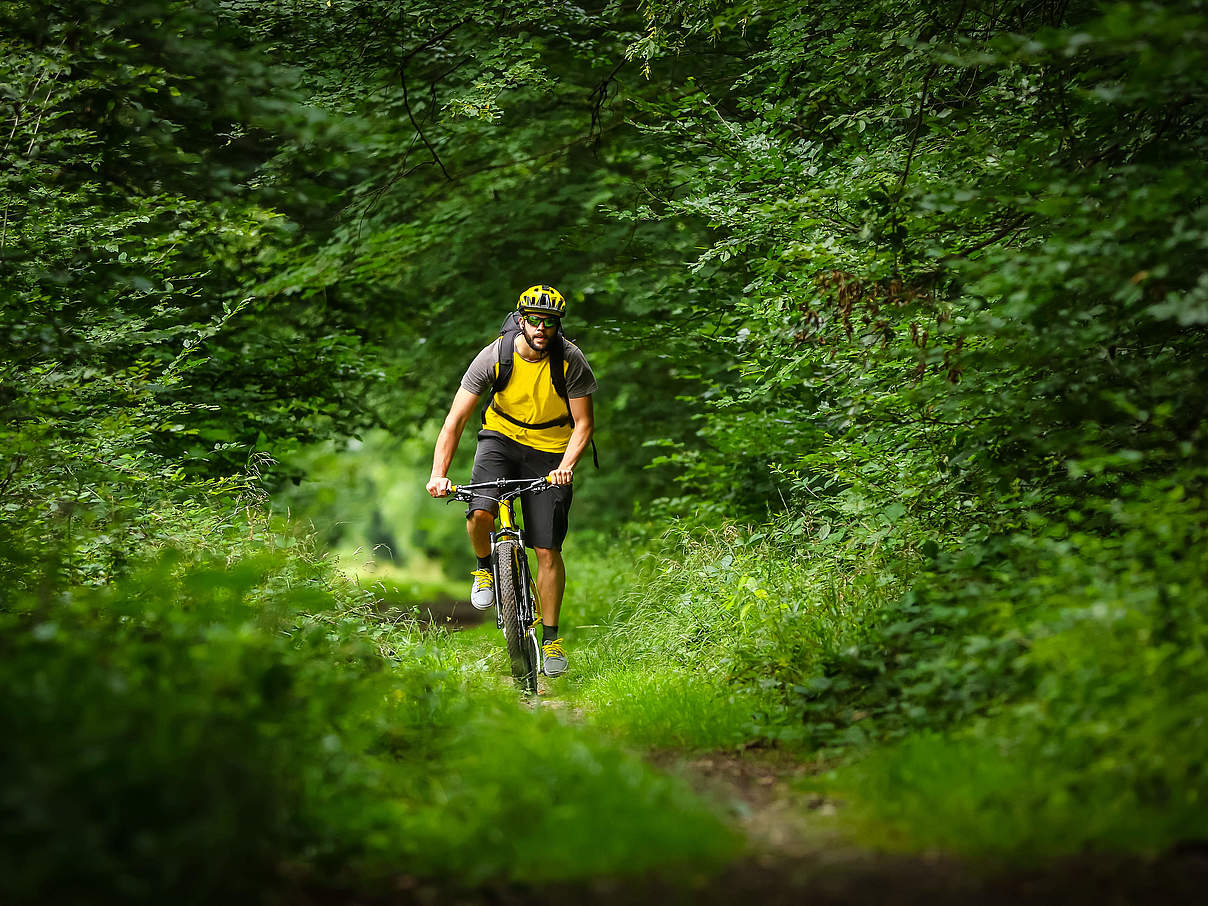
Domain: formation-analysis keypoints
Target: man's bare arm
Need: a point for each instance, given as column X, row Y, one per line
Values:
column 464, row 404
column 583, row 412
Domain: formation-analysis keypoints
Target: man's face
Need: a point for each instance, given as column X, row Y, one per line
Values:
column 540, row 333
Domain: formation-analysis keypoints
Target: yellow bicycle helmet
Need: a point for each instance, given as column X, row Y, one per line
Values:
column 542, row 300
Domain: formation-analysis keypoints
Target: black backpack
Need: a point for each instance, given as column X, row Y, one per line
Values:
column 508, row 332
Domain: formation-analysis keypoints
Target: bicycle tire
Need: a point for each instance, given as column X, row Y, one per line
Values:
column 510, row 593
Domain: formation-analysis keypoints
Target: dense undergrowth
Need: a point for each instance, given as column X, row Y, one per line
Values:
column 1035, row 695
column 206, row 729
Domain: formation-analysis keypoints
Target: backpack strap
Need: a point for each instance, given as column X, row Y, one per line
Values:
column 552, row 423
column 558, row 374
column 503, row 364
column 557, row 369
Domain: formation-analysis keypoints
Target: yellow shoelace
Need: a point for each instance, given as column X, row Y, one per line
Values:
column 482, row 578
column 553, row 649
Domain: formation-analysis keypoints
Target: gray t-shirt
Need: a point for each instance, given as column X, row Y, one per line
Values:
column 580, row 381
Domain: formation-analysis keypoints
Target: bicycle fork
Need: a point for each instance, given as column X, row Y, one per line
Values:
column 527, row 605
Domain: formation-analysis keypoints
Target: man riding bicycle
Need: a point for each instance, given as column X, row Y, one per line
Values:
column 537, row 422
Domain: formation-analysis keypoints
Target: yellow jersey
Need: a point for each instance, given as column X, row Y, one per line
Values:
column 529, row 395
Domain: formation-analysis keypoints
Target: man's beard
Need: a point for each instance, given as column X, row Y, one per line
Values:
column 543, row 349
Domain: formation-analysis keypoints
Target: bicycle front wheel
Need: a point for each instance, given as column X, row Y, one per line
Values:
column 510, row 591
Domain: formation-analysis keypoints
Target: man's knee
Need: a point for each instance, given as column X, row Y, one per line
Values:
column 480, row 519
column 548, row 556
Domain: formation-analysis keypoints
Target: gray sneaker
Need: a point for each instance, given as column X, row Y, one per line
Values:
column 482, row 594
column 554, row 658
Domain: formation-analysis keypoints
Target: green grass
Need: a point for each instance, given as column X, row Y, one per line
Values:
column 1037, row 708
column 659, row 707
column 523, row 795
column 1028, row 708
column 1015, row 796
column 261, row 707
column 692, row 636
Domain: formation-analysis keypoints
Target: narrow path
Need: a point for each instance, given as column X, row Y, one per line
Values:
column 449, row 613
column 757, row 787
column 797, row 856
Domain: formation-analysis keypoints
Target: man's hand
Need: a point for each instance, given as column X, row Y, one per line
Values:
column 439, row 486
column 561, row 476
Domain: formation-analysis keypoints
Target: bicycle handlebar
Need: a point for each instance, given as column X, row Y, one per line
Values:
column 508, row 488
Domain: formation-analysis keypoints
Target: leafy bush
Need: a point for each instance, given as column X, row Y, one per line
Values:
column 168, row 737
column 1097, row 736
column 204, row 731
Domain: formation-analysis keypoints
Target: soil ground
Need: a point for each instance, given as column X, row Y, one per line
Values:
column 450, row 614
column 797, row 856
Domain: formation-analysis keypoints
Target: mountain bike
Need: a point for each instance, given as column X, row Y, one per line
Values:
column 517, row 607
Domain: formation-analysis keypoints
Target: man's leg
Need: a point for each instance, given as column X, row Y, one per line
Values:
column 491, row 462
column 478, row 525
column 551, row 583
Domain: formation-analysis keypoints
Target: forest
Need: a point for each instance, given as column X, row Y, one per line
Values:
column 899, row 315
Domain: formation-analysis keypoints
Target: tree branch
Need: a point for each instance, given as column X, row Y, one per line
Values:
column 597, row 98
column 402, row 75
column 918, row 120
column 433, row 40
column 1013, row 227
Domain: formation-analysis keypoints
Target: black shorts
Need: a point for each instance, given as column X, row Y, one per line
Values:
column 546, row 512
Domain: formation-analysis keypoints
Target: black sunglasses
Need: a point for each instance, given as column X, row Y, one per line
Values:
column 538, row 321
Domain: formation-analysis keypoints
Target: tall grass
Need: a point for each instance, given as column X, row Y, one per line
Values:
column 696, row 646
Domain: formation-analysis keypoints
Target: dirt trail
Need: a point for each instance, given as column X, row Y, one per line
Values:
column 756, row 787
column 796, row 856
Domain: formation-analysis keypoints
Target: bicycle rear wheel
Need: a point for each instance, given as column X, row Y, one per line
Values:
column 516, row 633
